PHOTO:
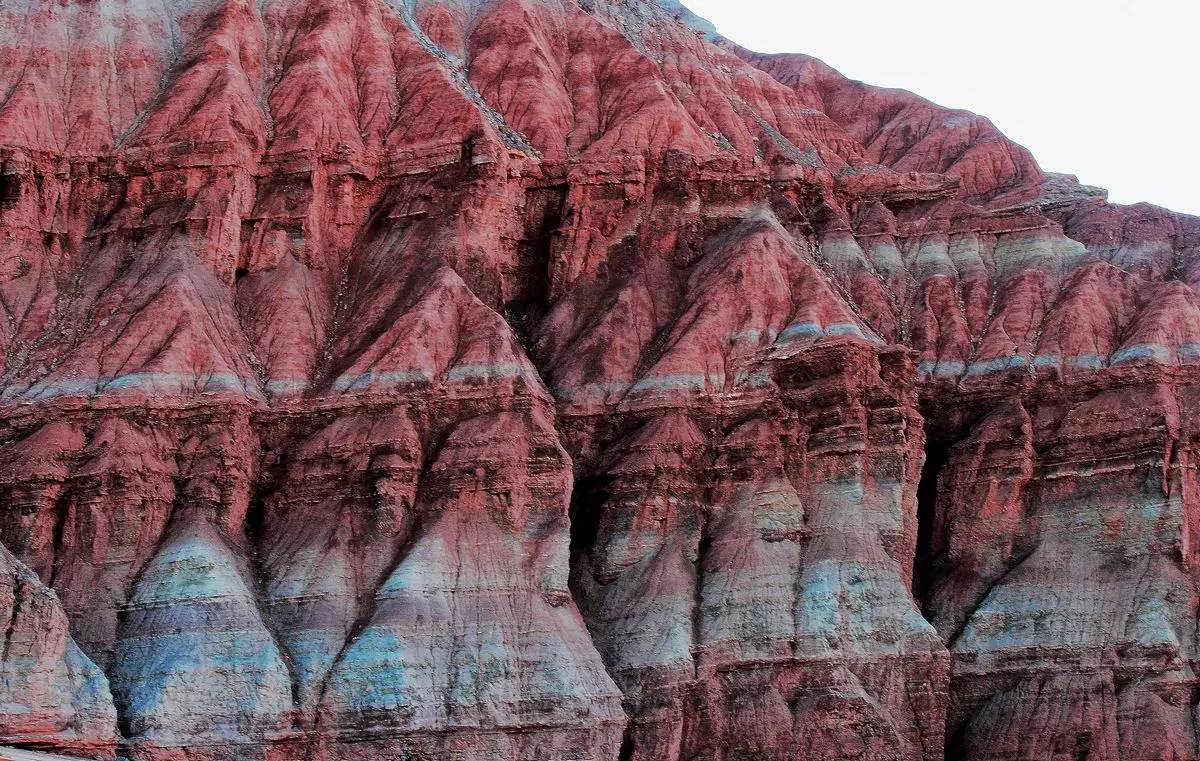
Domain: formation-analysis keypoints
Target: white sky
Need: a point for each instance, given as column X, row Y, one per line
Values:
column 1105, row 89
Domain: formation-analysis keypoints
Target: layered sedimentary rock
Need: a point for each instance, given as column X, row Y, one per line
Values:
column 555, row 380
column 51, row 695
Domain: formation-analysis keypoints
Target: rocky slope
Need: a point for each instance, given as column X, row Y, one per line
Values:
column 553, row 379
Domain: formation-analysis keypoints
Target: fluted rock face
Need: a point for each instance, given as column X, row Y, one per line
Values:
column 51, row 694
column 549, row 379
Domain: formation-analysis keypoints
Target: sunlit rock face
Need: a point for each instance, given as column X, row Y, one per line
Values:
column 550, row 380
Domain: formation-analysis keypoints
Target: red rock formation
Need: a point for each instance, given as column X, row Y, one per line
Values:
column 554, row 379
column 51, row 695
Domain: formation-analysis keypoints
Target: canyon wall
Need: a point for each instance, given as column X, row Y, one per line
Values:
column 556, row 380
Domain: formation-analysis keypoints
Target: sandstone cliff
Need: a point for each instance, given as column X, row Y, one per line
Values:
column 554, row 379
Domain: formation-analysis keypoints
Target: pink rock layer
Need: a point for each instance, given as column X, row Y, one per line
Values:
column 551, row 379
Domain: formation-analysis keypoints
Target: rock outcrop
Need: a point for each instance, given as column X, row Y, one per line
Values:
column 551, row 379
column 51, row 695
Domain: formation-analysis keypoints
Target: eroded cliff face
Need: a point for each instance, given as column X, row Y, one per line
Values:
column 542, row 379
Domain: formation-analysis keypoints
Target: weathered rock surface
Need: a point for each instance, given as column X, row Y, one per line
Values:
column 549, row 379
column 51, row 695
column 20, row 754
